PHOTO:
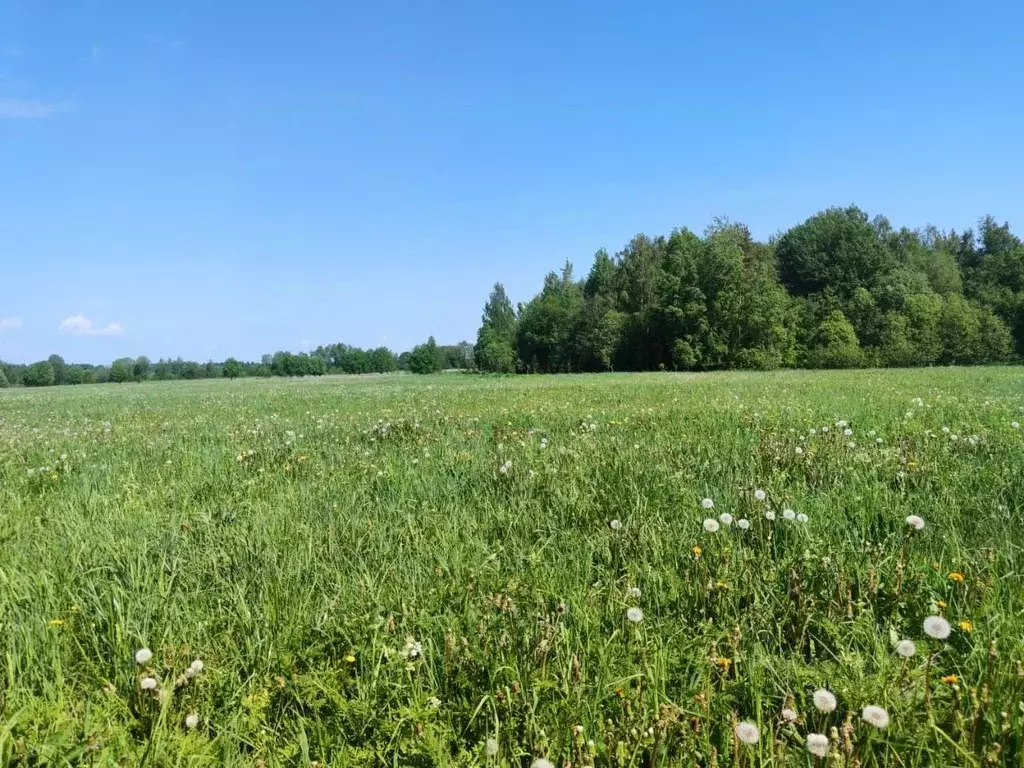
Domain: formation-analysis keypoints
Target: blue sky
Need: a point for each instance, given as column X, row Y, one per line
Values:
column 222, row 178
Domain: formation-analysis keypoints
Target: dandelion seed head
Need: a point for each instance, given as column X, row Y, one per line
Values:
column 916, row 522
column 906, row 648
column 875, row 716
column 936, row 627
column 1015, row 424
column 634, row 592
column 635, row 615
column 725, row 518
column 769, row 515
column 841, row 424
column 824, row 701
column 615, row 525
column 711, row 525
column 542, row 762
column 789, row 715
column 760, row 495
column 491, row 747
column 799, row 451
column 789, row 514
column 847, row 432
column 148, row 684
column 707, row 504
column 143, row 655
column 748, row 733
column 817, row 744
column 192, row 721
column 743, row 524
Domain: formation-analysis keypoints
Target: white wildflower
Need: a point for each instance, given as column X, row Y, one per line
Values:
column 615, row 525
column 747, row 733
column 760, row 495
column 635, row 615
column 916, row 522
column 711, row 525
column 799, row 451
column 801, row 518
column 841, row 424
column 413, row 648
column 906, row 648
column 148, row 684
column 504, row 468
column 769, row 515
column 725, row 518
column 491, row 747
column 542, row 762
column 878, row 441
column 143, row 655
column 789, row 514
column 851, row 444
column 743, row 524
column 817, row 744
column 789, row 715
column 875, row 716
column 936, row 627
column 707, row 504
column 1015, row 424
column 634, row 592
column 192, row 721
column 847, row 432
column 945, row 430
column 824, row 701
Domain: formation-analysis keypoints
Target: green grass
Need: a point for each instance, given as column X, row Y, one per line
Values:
column 299, row 536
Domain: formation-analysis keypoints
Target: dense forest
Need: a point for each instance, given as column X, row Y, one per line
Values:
column 840, row 290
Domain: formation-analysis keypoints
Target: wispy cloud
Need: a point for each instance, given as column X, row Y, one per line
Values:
column 30, row 109
column 10, row 323
column 79, row 325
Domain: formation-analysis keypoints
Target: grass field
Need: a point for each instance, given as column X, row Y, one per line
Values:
column 444, row 571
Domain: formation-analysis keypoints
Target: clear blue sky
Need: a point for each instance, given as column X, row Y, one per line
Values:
column 208, row 179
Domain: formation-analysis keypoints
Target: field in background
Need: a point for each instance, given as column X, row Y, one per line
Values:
column 444, row 570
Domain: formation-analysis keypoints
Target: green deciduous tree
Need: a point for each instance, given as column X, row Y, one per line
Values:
column 495, row 341
column 426, row 358
column 233, row 369
column 38, row 375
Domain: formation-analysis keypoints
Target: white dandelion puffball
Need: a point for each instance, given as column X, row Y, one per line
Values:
column 760, row 495
column 148, row 684
column 711, row 525
column 878, row 441
column 1015, row 424
column 747, row 733
column 824, row 701
column 634, row 592
column 789, row 715
column 789, row 514
column 635, row 615
column 143, row 655
column 945, row 430
column 492, row 747
column 847, row 432
column 875, row 716
column 799, row 451
column 615, row 525
column 801, row 518
column 542, row 762
column 916, row 522
column 413, row 648
column 851, row 444
column 192, row 720
column 824, row 430
column 817, row 744
column 812, row 431
column 725, row 518
column 936, row 627
column 504, row 468
column 769, row 515
column 906, row 648
column 196, row 666
column 743, row 524
column 707, row 504
column 841, row 424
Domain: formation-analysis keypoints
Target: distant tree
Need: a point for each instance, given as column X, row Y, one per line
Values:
column 426, row 358
column 495, row 341
column 4, row 384
column 211, row 370
column 121, row 370
column 835, row 344
column 59, row 369
column 75, row 374
column 38, row 375
column 233, row 369
column 140, row 368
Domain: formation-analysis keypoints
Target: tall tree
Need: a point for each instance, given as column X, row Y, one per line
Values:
column 495, row 341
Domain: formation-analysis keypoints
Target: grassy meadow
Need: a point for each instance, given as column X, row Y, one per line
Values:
column 460, row 570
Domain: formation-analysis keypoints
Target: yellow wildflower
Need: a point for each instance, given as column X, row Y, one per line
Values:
column 723, row 662
column 350, row 659
column 956, row 576
column 951, row 679
column 56, row 622
column 721, row 585
column 966, row 625
column 941, row 604
column 696, row 551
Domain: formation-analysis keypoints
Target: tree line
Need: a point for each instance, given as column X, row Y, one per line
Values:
column 429, row 357
column 839, row 290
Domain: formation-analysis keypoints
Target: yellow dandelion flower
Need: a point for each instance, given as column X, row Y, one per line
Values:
column 721, row 585
column 696, row 551
column 303, row 458
column 350, row 659
column 951, row 679
column 56, row 622
column 723, row 662
column 941, row 604
column 966, row 625
column 956, row 576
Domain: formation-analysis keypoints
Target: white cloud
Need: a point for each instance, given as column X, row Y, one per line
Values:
column 30, row 108
column 10, row 323
column 77, row 325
